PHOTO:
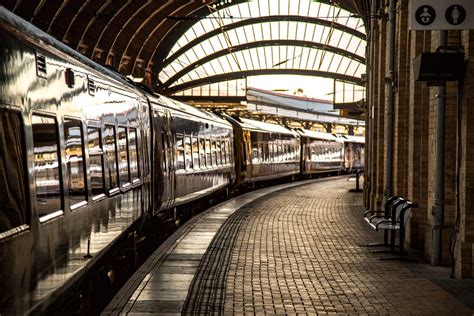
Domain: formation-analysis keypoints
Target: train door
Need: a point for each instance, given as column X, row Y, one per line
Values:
column 163, row 162
column 158, row 162
column 248, row 153
column 170, row 159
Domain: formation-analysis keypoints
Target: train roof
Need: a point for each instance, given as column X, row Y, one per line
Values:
column 186, row 108
column 35, row 33
column 254, row 125
column 38, row 35
column 353, row 139
column 318, row 135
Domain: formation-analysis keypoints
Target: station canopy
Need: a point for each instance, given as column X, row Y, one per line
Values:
column 206, row 48
column 237, row 40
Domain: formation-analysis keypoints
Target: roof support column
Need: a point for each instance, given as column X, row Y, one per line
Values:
column 370, row 106
column 390, row 84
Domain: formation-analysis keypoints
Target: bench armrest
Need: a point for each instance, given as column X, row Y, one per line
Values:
column 366, row 213
column 384, row 221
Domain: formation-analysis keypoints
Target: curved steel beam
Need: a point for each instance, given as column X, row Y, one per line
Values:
column 247, row 73
column 263, row 19
column 246, row 46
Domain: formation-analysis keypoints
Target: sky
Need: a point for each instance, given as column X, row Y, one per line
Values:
column 313, row 87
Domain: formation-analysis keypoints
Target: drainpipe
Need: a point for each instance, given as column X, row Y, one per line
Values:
column 390, row 83
column 438, row 207
column 370, row 105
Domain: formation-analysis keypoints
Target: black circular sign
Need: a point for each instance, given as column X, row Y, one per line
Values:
column 425, row 15
column 455, row 14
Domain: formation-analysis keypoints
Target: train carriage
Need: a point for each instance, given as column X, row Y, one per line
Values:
column 72, row 176
column 193, row 153
column 264, row 151
column 354, row 148
column 320, row 152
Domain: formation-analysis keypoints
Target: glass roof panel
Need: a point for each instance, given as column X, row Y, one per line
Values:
column 228, row 40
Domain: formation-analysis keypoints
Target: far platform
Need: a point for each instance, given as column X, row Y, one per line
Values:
column 293, row 248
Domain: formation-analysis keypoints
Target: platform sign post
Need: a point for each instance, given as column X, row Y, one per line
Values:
column 442, row 15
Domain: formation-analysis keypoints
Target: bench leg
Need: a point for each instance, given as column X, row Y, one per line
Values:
column 401, row 255
column 384, row 244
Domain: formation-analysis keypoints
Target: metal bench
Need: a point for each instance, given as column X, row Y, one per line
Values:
column 393, row 219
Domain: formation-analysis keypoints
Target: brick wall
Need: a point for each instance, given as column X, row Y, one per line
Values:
column 414, row 141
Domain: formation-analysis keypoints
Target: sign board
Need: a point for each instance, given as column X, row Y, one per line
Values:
column 442, row 15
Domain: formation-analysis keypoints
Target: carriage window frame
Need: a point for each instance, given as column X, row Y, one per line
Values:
column 202, row 152
column 195, row 152
column 227, row 151
column 219, row 152
column 112, row 188
column 188, row 153
column 23, row 223
column 123, row 162
column 96, row 151
column 207, row 149
column 58, row 212
column 134, row 155
column 180, row 154
column 84, row 202
column 223, row 152
column 213, row 152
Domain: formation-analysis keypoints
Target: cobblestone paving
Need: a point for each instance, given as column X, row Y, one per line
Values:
column 303, row 251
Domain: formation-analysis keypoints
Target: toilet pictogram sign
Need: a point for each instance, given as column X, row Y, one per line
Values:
column 455, row 14
column 442, row 14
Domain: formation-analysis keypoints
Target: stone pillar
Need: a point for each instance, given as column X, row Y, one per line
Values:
column 449, row 156
column 418, row 145
column 379, row 117
column 400, row 109
column 464, row 246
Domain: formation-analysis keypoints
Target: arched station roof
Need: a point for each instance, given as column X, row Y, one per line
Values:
column 156, row 39
column 262, row 37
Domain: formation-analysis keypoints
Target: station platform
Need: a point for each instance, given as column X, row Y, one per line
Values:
column 293, row 248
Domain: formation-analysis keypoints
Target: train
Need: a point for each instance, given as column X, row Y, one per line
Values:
column 87, row 157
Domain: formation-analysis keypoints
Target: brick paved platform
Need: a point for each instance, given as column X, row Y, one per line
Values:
column 284, row 251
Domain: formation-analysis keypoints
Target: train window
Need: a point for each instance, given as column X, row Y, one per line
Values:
column 213, row 153
column 144, row 142
column 264, row 151
column 96, row 158
column 202, row 153
column 13, row 210
column 260, row 152
column 218, row 152
column 254, row 153
column 224, row 152
column 225, row 148
column 73, row 141
column 111, row 154
column 46, row 164
column 124, row 174
column 230, row 151
column 195, row 151
column 179, row 152
column 133, row 154
column 208, row 153
column 188, row 153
